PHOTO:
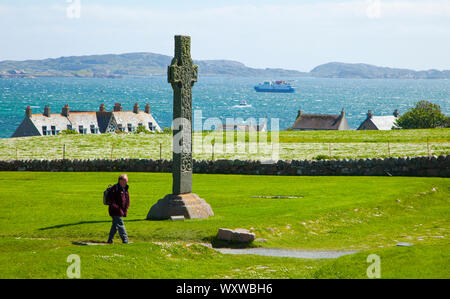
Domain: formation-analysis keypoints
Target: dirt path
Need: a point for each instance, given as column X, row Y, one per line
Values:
column 301, row 254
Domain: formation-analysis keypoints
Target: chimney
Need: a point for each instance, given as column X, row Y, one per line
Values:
column 147, row 109
column 136, row 108
column 396, row 113
column 117, row 107
column 28, row 112
column 300, row 112
column 65, row 110
column 102, row 108
column 47, row 110
column 343, row 112
column 369, row 114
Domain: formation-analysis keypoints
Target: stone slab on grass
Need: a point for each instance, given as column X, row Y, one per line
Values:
column 237, row 235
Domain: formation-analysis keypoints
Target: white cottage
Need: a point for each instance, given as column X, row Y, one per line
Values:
column 379, row 122
column 86, row 122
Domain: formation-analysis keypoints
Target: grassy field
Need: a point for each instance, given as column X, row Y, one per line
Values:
column 292, row 145
column 45, row 212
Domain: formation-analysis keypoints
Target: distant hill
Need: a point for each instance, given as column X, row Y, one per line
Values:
column 234, row 68
column 132, row 64
column 367, row 71
column 147, row 64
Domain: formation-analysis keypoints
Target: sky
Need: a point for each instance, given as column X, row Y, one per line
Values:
column 287, row 34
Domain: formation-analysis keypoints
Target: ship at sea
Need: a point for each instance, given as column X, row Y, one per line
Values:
column 274, row 86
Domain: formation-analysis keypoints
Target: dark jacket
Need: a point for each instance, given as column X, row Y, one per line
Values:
column 119, row 201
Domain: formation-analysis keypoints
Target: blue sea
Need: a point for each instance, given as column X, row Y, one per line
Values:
column 218, row 96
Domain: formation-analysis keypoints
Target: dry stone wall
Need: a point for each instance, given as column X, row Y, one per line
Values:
column 408, row 166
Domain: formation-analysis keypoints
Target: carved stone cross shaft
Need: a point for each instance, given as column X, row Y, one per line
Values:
column 182, row 74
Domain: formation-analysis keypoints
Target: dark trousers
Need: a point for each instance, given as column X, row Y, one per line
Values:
column 118, row 225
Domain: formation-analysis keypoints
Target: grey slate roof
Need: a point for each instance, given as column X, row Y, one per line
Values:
column 129, row 117
column 384, row 122
column 84, row 119
column 57, row 120
column 26, row 128
column 378, row 122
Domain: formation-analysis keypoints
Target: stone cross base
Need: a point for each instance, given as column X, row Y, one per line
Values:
column 190, row 205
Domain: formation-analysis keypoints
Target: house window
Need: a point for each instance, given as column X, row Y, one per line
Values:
column 80, row 129
column 53, row 130
column 139, row 125
column 119, row 127
column 44, row 130
column 130, row 128
column 150, row 126
column 94, row 130
column 69, row 127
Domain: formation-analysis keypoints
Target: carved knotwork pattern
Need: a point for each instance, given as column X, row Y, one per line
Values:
column 186, row 162
column 186, row 50
column 186, row 103
column 185, row 74
column 186, row 143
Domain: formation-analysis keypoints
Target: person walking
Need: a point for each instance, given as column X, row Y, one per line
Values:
column 119, row 202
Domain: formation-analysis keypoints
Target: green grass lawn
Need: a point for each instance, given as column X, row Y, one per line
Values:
column 43, row 213
column 292, row 145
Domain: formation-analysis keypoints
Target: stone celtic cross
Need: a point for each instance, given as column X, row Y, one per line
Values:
column 182, row 74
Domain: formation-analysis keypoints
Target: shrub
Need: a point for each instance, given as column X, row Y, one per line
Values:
column 68, row 132
column 425, row 115
column 142, row 129
column 167, row 130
